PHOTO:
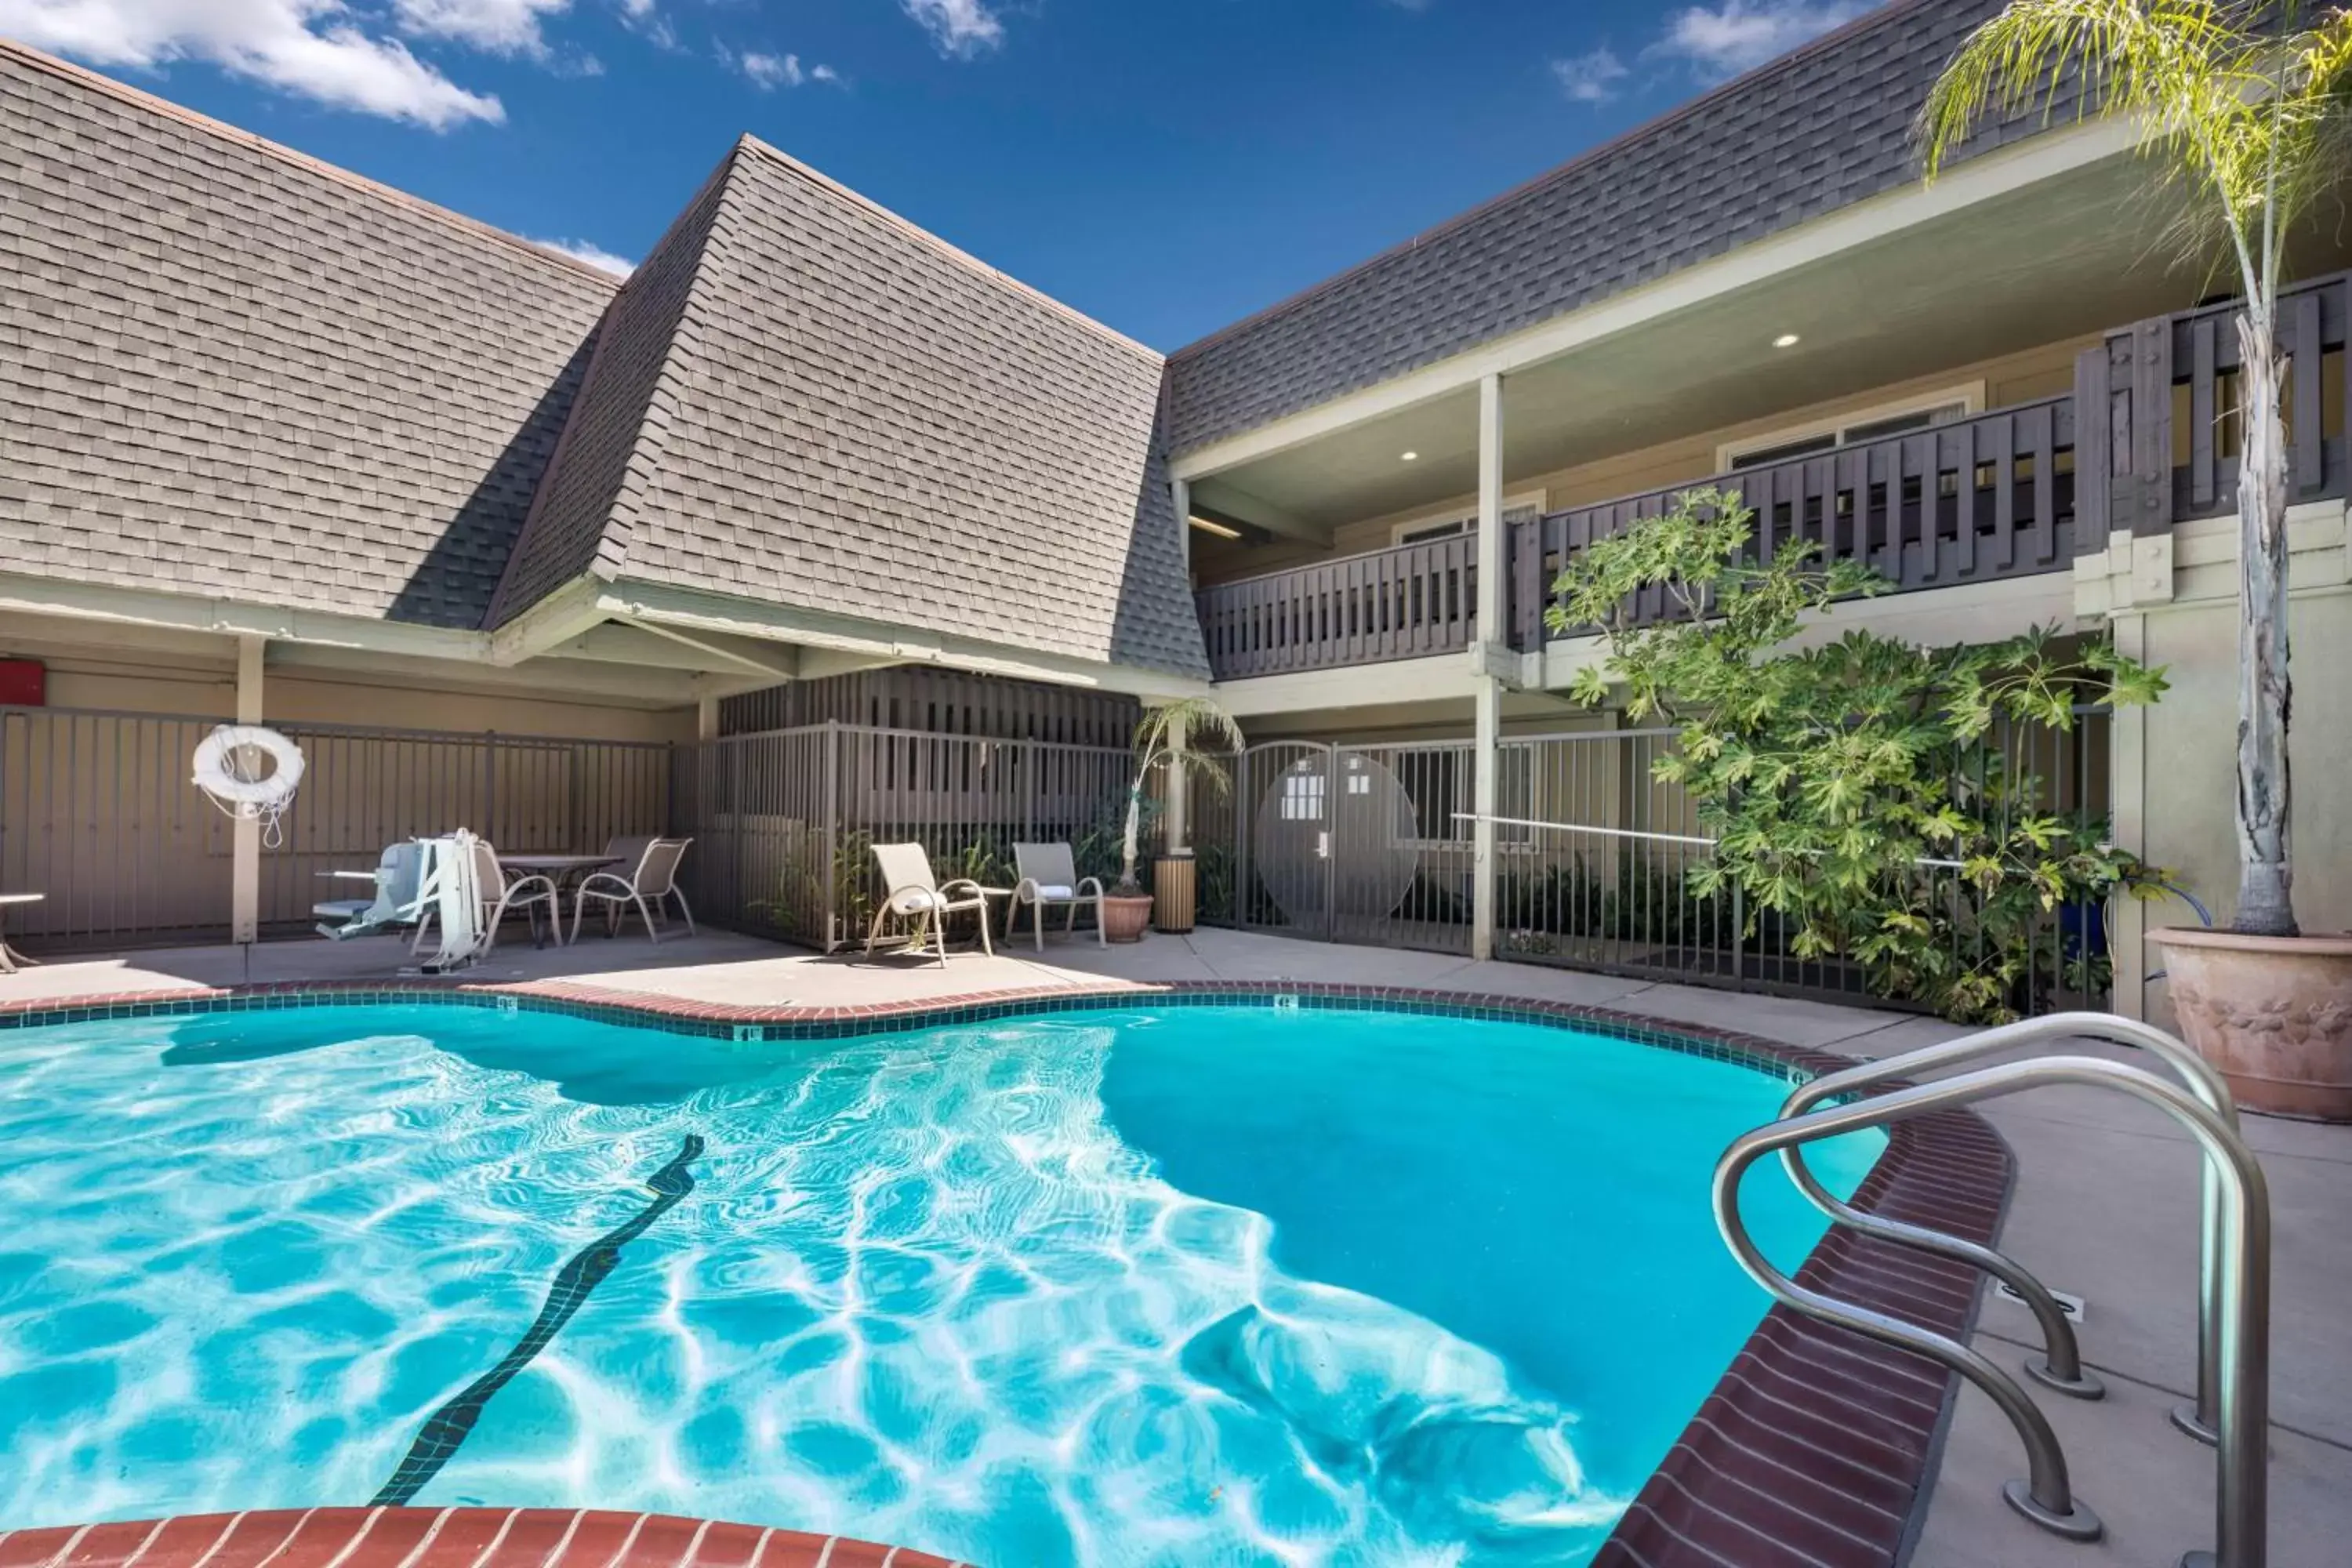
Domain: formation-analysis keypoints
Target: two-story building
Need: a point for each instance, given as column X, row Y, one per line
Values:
column 284, row 444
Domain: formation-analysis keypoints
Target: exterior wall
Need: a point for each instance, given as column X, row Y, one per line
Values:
column 2173, row 602
column 2044, row 372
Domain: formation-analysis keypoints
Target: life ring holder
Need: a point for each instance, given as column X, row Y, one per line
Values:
column 229, row 782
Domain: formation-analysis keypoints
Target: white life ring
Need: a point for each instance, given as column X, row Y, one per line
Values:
column 216, row 779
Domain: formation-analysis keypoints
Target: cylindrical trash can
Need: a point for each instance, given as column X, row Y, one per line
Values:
column 1173, row 884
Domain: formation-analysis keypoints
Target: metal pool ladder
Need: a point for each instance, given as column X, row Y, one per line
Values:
column 2232, row 1407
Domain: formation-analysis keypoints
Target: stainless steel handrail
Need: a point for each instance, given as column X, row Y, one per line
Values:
column 2243, row 1248
column 2061, row 1369
column 2060, row 1366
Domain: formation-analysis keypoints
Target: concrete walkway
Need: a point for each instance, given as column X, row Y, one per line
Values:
column 2105, row 1204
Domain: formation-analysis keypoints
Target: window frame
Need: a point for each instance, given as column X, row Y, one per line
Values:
column 1968, row 394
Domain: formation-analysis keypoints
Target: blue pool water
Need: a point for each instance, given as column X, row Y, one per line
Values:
column 1186, row 1287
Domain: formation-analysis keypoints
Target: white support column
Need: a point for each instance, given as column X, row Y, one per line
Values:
column 705, row 719
column 1182, row 491
column 244, row 843
column 1486, row 760
column 1176, row 794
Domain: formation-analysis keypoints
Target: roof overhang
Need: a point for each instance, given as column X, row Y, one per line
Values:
column 1916, row 250
column 638, row 644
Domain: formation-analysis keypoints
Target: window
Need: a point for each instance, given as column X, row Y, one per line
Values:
column 1422, row 530
column 1302, row 794
column 1423, row 533
column 1901, row 417
column 1439, row 785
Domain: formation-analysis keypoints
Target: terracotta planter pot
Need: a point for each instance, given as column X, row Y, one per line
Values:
column 1124, row 919
column 2275, row 1014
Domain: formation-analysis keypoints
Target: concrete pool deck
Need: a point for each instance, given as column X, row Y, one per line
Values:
column 2104, row 1204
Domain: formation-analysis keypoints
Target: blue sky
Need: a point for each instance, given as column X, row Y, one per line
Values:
column 1166, row 167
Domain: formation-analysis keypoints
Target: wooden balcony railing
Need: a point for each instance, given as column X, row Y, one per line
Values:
column 1404, row 603
column 2166, row 450
column 1988, row 497
column 2149, row 438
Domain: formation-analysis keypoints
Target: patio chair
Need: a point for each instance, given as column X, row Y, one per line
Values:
column 502, row 893
column 1049, row 876
column 648, row 884
column 628, row 849
column 916, row 894
column 396, row 874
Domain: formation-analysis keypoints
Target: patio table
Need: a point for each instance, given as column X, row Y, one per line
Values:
column 560, row 869
column 9, row 957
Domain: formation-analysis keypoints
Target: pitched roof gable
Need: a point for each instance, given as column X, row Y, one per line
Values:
column 836, row 411
column 230, row 370
column 1818, row 128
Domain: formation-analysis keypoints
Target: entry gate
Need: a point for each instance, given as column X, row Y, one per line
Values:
column 1358, row 844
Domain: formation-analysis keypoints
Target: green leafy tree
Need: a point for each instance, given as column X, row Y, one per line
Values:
column 2245, row 107
column 1873, row 794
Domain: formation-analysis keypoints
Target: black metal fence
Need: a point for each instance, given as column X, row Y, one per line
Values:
column 1371, row 844
column 98, row 815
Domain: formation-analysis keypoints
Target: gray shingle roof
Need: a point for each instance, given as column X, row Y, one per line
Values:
column 834, row 411
column 228, row 369
column 1818, row 130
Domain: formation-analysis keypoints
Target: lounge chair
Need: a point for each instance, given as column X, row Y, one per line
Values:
column 915, row 894
column 1049, row 876
column 649, row 884
column 501, row 894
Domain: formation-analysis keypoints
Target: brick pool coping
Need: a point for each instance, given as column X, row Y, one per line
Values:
column 1812, row 1451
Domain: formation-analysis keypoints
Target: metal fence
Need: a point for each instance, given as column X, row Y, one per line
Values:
column 784, row 822
column 98, row 815
column 1372, row 844
column 1614, row 892
column 1358, row 844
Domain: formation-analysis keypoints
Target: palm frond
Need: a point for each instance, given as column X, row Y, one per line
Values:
column 2248, row 112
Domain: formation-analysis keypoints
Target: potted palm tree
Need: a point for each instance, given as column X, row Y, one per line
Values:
column 1163, row 741
column 2244, row 107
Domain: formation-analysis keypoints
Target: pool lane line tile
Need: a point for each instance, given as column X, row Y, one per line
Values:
column 445, row 1430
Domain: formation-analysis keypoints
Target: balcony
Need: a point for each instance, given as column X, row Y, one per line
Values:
column 2017, row 491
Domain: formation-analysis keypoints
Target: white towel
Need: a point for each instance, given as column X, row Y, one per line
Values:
column 1057, row 892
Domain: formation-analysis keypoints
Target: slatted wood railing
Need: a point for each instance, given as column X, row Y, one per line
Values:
column 2149, row 438
column 1404, row 603
column 1984, row 497
column 2167, row 449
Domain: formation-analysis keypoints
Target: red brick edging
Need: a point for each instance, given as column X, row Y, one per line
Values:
column 442, row 1538
column 1812, row 1452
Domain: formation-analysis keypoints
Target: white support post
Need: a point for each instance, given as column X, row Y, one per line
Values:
column 1176, row 794
column 1182, row 492
column 1486, row 760
column 705, row 719
column 244, row 842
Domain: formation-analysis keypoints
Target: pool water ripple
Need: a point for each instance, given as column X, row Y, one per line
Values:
column 941, row 1288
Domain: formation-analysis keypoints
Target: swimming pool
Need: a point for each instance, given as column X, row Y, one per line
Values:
column 1198, row 1284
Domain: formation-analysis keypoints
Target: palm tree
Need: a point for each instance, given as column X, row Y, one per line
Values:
column 2246, row 107
column 1161, row 740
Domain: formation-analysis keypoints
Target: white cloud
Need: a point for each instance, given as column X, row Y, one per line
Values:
column 589, row 251
column 500, row 26
column 767, row 71
column 1721, row 41
column 1591, row 76
column 313, row 48
column 961, row 28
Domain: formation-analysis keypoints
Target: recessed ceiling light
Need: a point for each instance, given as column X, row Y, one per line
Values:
column 1410, row 456
column 1785, row 341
